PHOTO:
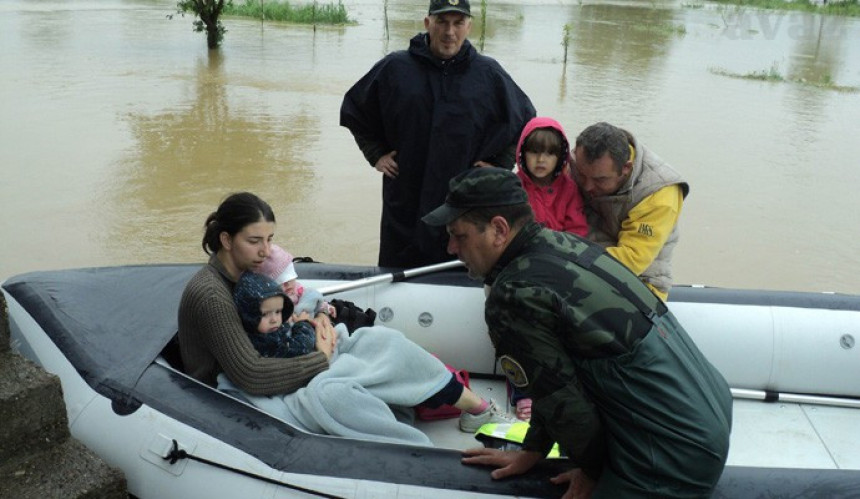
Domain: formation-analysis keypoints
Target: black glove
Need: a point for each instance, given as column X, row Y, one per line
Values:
column 350, row 314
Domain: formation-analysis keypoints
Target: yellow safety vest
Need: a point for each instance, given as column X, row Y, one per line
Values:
column 508, row 436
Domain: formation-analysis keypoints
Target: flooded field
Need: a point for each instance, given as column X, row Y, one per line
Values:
column 120, row 131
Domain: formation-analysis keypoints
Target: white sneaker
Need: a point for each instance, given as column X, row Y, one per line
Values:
column 470, row 423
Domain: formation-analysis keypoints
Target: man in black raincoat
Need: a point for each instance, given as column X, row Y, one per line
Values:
column 421, row 116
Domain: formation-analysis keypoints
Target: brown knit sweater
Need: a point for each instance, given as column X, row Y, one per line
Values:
column 212, row 340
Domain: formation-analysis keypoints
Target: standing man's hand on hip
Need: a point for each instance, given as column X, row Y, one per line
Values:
column 387, row 166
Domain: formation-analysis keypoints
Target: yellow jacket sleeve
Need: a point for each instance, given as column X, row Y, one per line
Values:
column 646, row 229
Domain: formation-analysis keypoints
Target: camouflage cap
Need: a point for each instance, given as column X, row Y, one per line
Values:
column 443, row 6
column 478, row 188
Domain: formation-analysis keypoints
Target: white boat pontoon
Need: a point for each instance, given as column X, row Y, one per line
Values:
column 108, row 334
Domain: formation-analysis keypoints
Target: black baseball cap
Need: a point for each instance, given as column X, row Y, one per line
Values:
column 443, row 6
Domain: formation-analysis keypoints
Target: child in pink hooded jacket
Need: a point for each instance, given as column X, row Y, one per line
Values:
column 543, row 161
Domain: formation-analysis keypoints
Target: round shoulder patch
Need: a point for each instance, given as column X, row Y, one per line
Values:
column 513, row 371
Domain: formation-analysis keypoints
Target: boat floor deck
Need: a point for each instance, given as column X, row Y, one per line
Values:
column 765, row 434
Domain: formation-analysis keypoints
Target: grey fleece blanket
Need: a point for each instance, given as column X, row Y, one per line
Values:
column 373, row 369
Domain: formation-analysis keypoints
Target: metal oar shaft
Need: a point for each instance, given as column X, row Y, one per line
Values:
column 794, row 398
column 390, row 277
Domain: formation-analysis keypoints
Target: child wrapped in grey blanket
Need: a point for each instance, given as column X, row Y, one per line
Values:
column 372, row 371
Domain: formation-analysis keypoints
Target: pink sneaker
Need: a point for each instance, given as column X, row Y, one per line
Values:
column 524, row 409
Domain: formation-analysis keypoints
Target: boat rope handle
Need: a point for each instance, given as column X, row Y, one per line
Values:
column 176, row 454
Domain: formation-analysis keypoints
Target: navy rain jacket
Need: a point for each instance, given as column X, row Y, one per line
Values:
column 441, row 117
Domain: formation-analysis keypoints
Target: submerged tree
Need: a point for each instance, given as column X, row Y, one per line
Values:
column 208, row 12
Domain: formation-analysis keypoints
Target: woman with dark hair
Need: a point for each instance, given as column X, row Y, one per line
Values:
column 213, row 340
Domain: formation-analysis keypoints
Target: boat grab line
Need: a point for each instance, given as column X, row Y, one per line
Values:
column 176, row 454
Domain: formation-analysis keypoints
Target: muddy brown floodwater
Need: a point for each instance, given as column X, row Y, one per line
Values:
column 120, row 132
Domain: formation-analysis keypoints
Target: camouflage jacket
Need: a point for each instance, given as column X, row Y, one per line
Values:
column 547, row 316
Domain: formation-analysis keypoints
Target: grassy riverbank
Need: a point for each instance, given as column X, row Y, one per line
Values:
column 313, row 13
column 849, row 8
column 773, row 75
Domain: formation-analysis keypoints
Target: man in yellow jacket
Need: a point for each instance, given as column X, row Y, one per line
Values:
column 633, row 200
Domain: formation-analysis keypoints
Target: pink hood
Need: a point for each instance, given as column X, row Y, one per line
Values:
column 532, row 125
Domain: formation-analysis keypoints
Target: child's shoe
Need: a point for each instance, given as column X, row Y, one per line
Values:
column 470, row 423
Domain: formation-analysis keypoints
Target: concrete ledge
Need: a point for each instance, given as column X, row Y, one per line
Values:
column 69, row 470
column 31, row 407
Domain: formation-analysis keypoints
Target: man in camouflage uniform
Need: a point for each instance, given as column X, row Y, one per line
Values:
column 615, row 379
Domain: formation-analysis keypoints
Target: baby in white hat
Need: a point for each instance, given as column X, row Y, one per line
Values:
column 279, row 267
